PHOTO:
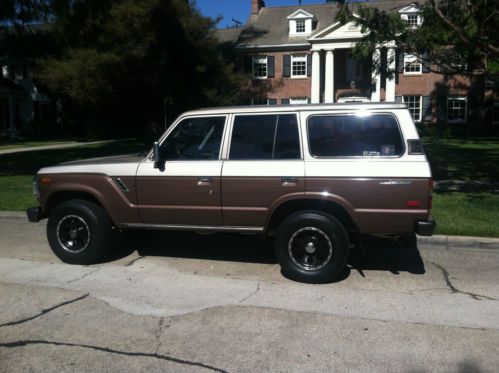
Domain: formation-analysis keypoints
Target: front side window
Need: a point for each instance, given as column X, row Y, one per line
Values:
column 414, row 105
column 194, row 139
column 265, row 137
column 412, row 65
column 300, row 26
column 354, row 136
column 260, row 67
column 456, row 109
column 299, row 66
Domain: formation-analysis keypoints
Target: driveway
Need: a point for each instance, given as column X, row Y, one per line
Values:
column 187, row 303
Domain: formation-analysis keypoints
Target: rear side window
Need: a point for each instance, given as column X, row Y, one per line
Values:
column 265, row 137
column 354, row 136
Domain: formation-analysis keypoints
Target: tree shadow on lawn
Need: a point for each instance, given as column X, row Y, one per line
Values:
column 380, row 254
column 453, row 160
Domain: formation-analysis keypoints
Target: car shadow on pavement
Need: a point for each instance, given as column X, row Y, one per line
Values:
column 378, row 255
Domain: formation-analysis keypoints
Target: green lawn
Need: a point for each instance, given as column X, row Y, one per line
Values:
column 473, row 214
column 474, row 158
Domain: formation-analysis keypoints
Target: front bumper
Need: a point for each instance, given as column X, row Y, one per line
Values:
column 34, row 214
column 425, row 227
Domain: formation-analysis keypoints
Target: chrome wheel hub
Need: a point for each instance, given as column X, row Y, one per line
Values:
column 310, row 248
column 73, row 233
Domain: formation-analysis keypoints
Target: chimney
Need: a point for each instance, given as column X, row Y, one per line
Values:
column 256, row 5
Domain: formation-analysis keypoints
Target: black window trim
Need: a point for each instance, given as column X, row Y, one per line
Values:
column 174, row 125
column 234, row 115
column 357, row 156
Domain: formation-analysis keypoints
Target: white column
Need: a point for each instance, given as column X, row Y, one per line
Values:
column 390, row 82
column 315, row 94
column 375, row 95
column 329, row 80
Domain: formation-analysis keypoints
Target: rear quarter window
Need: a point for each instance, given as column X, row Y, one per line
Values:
column 376, row 135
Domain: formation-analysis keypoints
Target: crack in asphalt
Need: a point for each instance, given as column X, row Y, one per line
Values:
column 133, row 261
column 23, row 343
column 85, row 275
column 158, row 333
column 45, row 311
column 250, row 294
column 455, row 290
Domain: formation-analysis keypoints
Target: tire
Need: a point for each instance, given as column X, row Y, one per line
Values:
column 312, row 247
column 79, row 232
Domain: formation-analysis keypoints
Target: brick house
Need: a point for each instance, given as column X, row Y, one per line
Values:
column 300, row 54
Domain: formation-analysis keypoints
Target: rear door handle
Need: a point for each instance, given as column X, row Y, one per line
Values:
column 289, row 180
column 205, row 180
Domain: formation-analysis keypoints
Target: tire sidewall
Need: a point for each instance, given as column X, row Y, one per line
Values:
column 336, row 234
column 97, row 225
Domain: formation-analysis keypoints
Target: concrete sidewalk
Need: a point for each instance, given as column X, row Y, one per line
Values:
column 54, row 146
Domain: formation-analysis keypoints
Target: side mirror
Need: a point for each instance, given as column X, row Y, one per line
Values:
column 155, row 152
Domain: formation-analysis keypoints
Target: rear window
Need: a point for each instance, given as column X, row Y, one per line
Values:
column 354, row 136
column 265, row 137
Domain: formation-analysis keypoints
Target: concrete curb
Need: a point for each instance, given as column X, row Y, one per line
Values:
column 436, row 240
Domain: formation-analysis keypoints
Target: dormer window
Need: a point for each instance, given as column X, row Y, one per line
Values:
column 300, row 26
column 412, row 15
column 300, row 23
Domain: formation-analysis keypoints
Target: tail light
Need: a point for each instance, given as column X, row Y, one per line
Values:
column 430, row 194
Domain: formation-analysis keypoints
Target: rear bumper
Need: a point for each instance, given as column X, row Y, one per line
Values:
column 34, row 214
column 425, row 227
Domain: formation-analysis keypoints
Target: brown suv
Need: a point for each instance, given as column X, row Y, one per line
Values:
column 313, row 176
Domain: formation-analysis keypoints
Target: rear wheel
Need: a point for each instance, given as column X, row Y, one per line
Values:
column 312, row 247
column 79, row 231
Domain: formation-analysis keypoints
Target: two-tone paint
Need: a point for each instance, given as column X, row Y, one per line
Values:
column 380, row 194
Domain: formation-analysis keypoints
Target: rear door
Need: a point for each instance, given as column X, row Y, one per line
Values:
column 186, row 191
column 263, row 165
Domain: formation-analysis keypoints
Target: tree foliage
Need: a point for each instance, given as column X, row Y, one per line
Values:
column 456, row 36
column 124, row 64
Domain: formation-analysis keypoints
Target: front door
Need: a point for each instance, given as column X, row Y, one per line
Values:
column 185, row 190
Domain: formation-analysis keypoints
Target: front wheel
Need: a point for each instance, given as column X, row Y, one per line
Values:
column 78, row 232
column 312, row 247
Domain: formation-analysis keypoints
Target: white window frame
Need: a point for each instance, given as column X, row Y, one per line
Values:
column 412, row 60
column 409, row 22
column 260, row 60
column 406, row 100
column 458, row 98
column 298, row 100
column 299, row 58
column 302, row 22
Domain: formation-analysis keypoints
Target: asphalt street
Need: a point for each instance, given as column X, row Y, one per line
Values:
column 181, row 302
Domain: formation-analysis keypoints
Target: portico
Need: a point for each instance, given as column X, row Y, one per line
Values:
column 336, row 72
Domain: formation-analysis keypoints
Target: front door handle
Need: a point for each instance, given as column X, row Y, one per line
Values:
column 289, row 181
column 205, row 180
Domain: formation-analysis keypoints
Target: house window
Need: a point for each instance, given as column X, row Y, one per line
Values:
column 260, row 101
column 412, row 65
column 298, row 100
column 300, row 26
column 413, row 19
column 260, row 67
column 299, row 66
column 415, row 107
column 457, row 108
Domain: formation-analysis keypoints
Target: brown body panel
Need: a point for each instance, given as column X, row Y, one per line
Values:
column 179, row 200
column 248, row 200
column 121, row 206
